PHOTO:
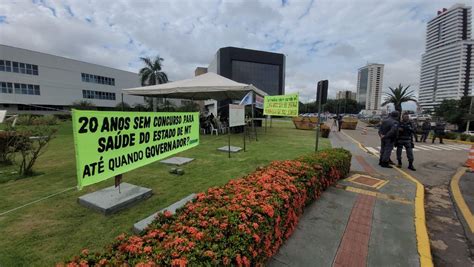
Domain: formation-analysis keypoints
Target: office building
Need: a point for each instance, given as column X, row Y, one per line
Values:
column 369, row 86
column 35, row 82
column 447, row 64
column 346, row 95
column 265, row 70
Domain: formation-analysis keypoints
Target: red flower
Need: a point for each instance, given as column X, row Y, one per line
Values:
column 167, row 213
column 147, row 249
column 181, row 262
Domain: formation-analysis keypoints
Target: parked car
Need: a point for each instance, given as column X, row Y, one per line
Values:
column 469, row 132
column 412, row 116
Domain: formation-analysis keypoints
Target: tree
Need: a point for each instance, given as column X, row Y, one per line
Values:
column 83, row 104
column 454, row 111
column 122, row 106
column 397, row 96
column 347, row 106
column 152, row 73
column 30, row 142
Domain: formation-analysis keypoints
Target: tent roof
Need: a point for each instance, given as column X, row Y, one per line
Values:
column 202, row 87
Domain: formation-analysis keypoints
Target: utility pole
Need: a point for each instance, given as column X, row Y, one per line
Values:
column 321, row 96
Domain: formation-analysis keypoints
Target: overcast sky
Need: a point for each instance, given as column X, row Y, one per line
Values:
column 321, row 39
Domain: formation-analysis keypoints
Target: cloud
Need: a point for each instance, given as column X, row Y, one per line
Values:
column 321, row 39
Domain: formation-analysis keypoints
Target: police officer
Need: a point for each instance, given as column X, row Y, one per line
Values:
column 388, row 134
column 425, row 128
column 438, row 132
column 405, row 140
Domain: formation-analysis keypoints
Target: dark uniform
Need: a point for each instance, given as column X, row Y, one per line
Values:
column 339, row 122
column 405, row 140
column 425, row 128
column 388, row 134
column 438, row 132
column 414, row 125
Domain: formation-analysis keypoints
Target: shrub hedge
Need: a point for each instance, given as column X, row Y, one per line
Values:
column 242, row 223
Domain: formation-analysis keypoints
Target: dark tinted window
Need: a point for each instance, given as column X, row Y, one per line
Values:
column 264, row 76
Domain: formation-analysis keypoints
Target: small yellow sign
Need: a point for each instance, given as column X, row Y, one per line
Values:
column 281, row 105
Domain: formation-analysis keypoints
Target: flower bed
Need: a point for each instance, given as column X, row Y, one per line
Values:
column 242, row 223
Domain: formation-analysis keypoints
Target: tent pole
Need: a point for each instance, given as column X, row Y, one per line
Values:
column 228, row 126
column 253, row 117
column 244, row 136
column 266, row 124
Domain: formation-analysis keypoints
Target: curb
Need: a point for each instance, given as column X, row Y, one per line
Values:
column 423, row 241
column 459, row 200
column 460, row 141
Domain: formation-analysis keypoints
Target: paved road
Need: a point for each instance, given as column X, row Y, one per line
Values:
column 436, row 164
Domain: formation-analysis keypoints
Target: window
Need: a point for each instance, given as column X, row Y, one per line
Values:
column 89, row 78
column 20, row 88
column 15, row 67
column 89, row 94
column 6, row 88
column 29, row 69
column 24, row 89
column 8, row 66
column 22, row 68
column 31, row 89
column 35, row 70
column 2, row 65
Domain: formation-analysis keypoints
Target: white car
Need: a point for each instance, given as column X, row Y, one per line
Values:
column 412, row 116
column 469, row 132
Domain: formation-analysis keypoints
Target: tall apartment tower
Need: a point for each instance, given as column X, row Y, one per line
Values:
column 446, row 65
column 369, row 86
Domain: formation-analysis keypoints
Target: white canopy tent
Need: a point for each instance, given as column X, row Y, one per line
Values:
column 202, row 87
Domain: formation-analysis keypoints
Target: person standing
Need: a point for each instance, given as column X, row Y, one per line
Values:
column 388, row 133
column 439, row 132
column 425, row 128
column 334, row 124
column 414, row 125
column 339, row 122
column 405, row 140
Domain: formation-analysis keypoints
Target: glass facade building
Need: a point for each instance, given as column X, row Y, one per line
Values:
column 265, row 70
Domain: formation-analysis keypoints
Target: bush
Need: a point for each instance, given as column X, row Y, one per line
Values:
column 463, row 137
column 471, row 138
column 6, row 149
column 451, row 135
column 241, row 223
column 29, row 143
column 28, row 120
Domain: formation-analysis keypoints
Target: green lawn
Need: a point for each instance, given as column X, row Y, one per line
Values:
column 57, row 228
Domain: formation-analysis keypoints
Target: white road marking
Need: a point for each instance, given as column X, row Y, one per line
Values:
column 454, row 147
column 443, row 147
column 422, row 148
column 428, row 147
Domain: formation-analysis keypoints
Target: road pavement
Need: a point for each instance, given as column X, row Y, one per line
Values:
column 435, row 166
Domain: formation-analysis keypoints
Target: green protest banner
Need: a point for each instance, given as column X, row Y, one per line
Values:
column 111, row 143
column 281, row 105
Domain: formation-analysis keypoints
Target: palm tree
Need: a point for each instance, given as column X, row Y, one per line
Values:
column 152, row 73
column 397, row 96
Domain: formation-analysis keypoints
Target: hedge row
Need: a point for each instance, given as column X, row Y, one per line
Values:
column 242, row 223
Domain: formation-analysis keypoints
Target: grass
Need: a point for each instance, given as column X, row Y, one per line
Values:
column 57, row 228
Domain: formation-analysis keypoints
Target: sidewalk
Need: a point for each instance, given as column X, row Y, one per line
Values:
column 360, row 222
column 462, row 189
